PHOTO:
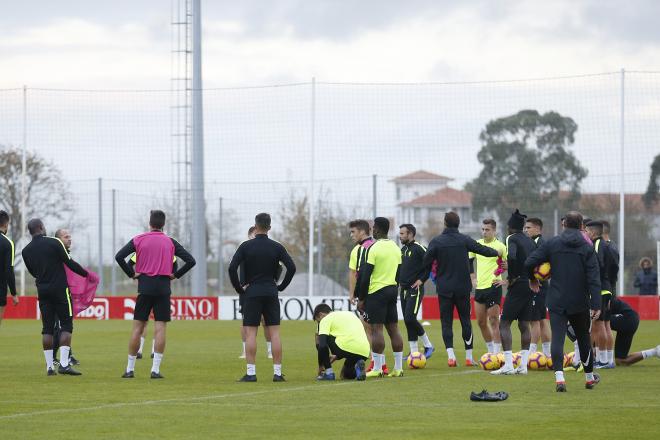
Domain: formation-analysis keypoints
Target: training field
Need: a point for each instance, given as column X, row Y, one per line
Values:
column 199, row 397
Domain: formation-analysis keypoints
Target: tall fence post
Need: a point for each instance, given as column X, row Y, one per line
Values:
column 100, row 237
column 221, row 269
column 622, row 207
column 113, row 273
column 374, row 197
column 310, row 198
column 23, row 232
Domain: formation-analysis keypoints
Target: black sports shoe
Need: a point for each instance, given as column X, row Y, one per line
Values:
column 155, row 375
column 278, row 378
column 68, row 370
column 73, row 361
column 360, row 370
column 56, row 362
column 248, row 378
column 590, row 385
column 128, row 375
column 561, row 387
column 485, row 396
column 138, row 356
column 51, row 372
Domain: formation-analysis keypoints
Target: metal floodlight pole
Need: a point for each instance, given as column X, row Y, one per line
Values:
column 221, row 269
column 374, row 198
column 310, row 201
column 23, row 226
column 100, row 256
column 199, row 275
column 113, row 273
column 622, row 189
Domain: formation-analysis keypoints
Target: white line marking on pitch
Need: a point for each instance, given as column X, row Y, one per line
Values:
column 213, row 397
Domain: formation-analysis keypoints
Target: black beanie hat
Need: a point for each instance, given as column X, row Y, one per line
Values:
column 517, row 221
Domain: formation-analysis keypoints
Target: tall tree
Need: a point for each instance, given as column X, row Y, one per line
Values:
column 48, row 195
column 652, row 194
column 527, row 164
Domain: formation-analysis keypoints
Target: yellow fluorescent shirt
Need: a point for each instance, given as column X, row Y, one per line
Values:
column 348, row 332
column 385, row 256
column 486, row 266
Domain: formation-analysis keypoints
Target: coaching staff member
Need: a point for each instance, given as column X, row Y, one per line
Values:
column 574, row 293
column 260, row 258
column 44, row 258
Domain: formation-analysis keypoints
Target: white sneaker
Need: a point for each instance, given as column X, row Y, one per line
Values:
column 270, row 355
column 521, row 370
column 503, row 371
column 242, row 356
column 657, row 351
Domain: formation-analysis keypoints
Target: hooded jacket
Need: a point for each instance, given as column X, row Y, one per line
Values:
column 575, row 274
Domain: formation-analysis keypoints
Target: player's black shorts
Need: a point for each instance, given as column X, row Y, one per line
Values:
column 54, row 305
column 518, row 302
column 160, row 304
column 625, row 328
column 605, row 311
column 240, row 303
column 538, row 311
column 256, row 306
column 489, row 296
column 380, row 306
column 3, row 300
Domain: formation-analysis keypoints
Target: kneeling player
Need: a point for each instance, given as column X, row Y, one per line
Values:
column 624, row 322
column 342, row 334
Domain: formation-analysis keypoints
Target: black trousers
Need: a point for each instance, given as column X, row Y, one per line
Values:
column 411, row 300
column 462, row 304
column 348, row 370
column 581, row 323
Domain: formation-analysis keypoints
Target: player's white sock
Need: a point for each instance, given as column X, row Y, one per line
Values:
column 414, row 347
column 141, row 344
column 277, row 369
column 525, row 358
column 426, row 341
column 533, row 348
column 508, row 359
column 603, row 356
column 153, row 346
column 329, row 371
column 251, row 369
column 398, row 360
column 576, row 357
column 497, row 347
column 589, row 376
column 48, row 354
column 64, row 355
column 546, row 348
column 468, row 355
column 490, row 347
column 645, row 353
column 131, row 363
column 269, row 346
column 559, row 376
column 382, row 359
column 451, row 354
column 155, row 365
column 610, row 356
column 378, row 362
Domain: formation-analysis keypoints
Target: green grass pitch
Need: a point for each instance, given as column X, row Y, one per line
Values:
column 199, row 397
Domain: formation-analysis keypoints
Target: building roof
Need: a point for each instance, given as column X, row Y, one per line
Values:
column 445, row 197
column 609, row 202
column 421, row 175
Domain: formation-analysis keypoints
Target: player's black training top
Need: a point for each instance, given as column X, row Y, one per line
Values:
column 575, row 283
column 43, row 258
column 518, row 247
column 7, row 278
column 450, row 249
column 607, row 263
column 412, row 263
column 260, row 258
column 159, row 284
column 614, row 269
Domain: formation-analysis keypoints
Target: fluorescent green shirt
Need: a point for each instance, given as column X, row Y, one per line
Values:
column 486, row 266
column 348, row 332
column 385, row 256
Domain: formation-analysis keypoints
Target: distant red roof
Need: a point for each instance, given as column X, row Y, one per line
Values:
column 445, row 197
column 609, row 202
column 421, row 175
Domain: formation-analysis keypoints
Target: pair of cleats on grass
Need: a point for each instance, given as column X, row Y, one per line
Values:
column 360, row 373
column 590, row 384
column 131, row 375
column 253, row 378
column 68, row 370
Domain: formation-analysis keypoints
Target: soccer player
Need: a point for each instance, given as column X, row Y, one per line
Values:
column 377, row 293
column 241, row 273
column 624, row 321
column 573, row 296
column 65, row 237
column 601, row 332
column 7, row 278
column 518, row 298
column 539, row 325
column 488, row 287
column 412, row 259
column 449, row 252
column 261, row 258
column 155, row 253
column 342, row 334
column 44, row 257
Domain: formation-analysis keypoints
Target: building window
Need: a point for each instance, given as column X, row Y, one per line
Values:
column 417, row 216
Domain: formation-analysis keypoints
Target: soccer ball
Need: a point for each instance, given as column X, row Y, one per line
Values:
column 568, row 359
column 537, row 361
column 416, row 360
column 489, row 361
column 500, row 358
column 517, row 358
column 548, row 362
column 542, row 272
